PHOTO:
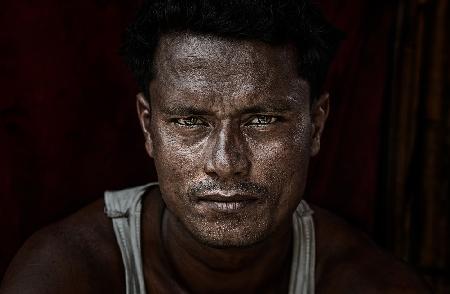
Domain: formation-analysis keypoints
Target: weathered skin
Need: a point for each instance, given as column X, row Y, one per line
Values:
column 226, row 118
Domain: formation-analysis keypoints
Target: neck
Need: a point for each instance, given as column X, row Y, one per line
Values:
column 200, row 268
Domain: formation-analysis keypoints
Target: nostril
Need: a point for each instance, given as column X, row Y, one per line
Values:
column 226, row 154
column 225, row 163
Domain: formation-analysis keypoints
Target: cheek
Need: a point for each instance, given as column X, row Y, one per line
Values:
column 285, row 151
column 177, row 161
column 281, row 163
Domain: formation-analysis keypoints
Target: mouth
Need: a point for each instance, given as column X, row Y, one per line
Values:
column 226, row 202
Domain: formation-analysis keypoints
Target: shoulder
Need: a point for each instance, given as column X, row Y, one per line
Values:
column 348, row 262
column 77, row 255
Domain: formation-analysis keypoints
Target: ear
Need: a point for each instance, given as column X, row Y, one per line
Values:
column 319, row 115
column 144, row 114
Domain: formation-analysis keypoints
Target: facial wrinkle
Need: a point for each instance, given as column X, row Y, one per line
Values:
column 229, row 83
column 213, row 73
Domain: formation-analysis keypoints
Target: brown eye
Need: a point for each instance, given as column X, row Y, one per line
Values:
column 262, row 120
column 190, row 121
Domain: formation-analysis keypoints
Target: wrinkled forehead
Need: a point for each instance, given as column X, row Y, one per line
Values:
column 186, row 47
column 217, row 66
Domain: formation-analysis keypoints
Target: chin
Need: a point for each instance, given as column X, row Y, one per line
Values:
column 228, row 234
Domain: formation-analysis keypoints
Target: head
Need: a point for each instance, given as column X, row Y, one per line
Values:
column 231, row 109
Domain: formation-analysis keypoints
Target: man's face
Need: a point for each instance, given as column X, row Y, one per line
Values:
column 230, row 131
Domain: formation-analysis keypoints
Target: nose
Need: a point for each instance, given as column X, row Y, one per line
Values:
column 227, row 154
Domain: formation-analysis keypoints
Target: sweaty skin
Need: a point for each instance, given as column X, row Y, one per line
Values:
column 228, row 121
column 231, row 128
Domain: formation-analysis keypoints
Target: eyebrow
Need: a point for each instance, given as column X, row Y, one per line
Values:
column 280, row 108
column 179, row 109
column 184, row 110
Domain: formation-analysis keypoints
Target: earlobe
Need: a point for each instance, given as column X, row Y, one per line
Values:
column 149, row 147
column 144, row 114
column 319, row 115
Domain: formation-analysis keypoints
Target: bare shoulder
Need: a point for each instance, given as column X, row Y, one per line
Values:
column 348, row 262
column 76, row 255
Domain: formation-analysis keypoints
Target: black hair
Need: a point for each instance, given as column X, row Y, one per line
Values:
column 274, row 22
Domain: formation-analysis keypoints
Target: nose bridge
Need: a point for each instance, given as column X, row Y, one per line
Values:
column 228, row 152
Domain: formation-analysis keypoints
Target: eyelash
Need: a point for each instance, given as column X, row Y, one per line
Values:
column 178, row 121
column 272, row 119
column 184, row 121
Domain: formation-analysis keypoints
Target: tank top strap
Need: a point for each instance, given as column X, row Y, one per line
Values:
column 124, row 209
column 304, row 251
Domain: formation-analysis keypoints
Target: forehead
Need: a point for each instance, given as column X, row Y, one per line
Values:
column 204, row 65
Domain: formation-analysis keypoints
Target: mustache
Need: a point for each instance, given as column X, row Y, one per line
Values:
column 208, row 186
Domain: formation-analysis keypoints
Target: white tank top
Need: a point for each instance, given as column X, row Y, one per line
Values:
column 124, row 208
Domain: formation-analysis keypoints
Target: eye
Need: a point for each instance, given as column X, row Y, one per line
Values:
column 190, row 121
column 261, row 120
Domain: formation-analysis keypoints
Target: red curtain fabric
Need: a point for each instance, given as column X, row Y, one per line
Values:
column 344, row 177
column 68, row 128
column 416, row 222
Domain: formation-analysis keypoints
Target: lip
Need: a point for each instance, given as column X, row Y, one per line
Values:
column 225, row 207
column 226, row 202
column 227, row 197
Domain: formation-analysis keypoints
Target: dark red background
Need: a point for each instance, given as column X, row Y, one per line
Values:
column 68, row 128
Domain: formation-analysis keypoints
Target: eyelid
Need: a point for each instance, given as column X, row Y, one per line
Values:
column 271, row 117
column 200, row 121
column 178, row 119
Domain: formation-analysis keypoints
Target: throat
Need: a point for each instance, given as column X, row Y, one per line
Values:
column 263, row 267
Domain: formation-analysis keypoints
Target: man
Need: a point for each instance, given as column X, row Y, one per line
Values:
column 231, row 111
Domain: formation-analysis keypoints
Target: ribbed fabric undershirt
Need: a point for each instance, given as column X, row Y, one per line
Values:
column 124, row 208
